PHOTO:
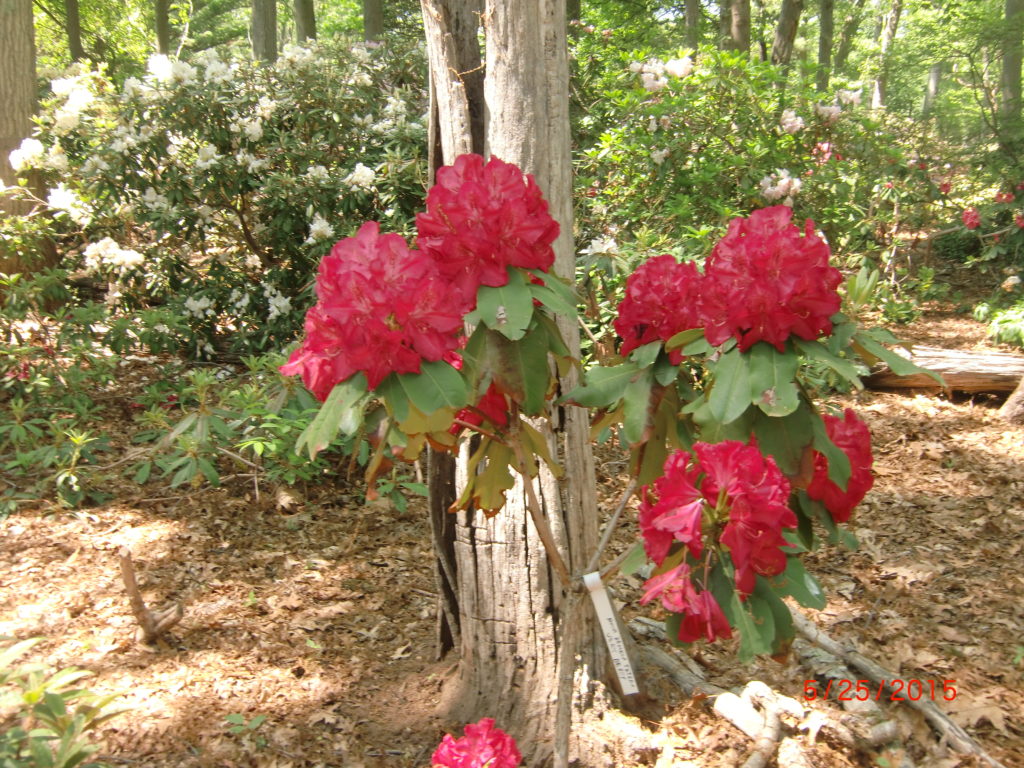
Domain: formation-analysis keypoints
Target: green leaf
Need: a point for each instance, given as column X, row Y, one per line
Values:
column 341, row 411
column 521, row 369
column 556, row 301
column 634, row 561
column 782, row 619
column 683, row 338
column 436, row 386
column 507, row 308
column 786, row 438
column 797, row 583
column 393, row 394
column 730, row 395
column 645, row 355
column 637, row 402
column 603, row 386
column 869, row 341
column 838, row 461
column 664, row 372
column 752, row 643
column 143, row 472
column 772, row 379
column 813, row 350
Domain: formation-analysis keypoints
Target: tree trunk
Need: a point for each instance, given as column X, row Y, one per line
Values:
column 264, row 30
column 1013, row 409
column 162, row 13
column 305, row 21
column 572, row 10
column 826, row 25
column 931, row 91
column 848, row 36
column 889, row 27
column 373, row 19
column 73, row 26
column 1011, row 130
column 725, row 25
column 785, row 32
column 739, row 28
column 692, row 25
column 511, row 606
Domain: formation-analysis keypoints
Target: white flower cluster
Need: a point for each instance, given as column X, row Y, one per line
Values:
column 56, row 159
column 850, row 98
column 654, row 123
column 317, row 173
column 780, row 185
column 108, row 253
column 214, row 70
column 155, row 201
column 265, row 107
column 29, row 154
column 279, row 303
column 600, row 246
column 93, row 165
column 165, row 71
column 1010, row 284
column 238, row 300
column 361, row 177
column 252, row 127
column 791, row 122
column 251, row 163
column 199, row 307
column 63, row 199
column 659, row 155
column 295, row 56
column 652, row 72
column 207, row 157
column 828, row 113
column 126, row 139
column 319, row 229
column 77, row 97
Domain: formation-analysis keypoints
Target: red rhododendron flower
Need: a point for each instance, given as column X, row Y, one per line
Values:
column 482, row 746
column 766, row 281
column 1019, row 221
column 971, row 218
column 492, row 407
column 677, row 511
column 661, row 300
column 383, row 308
column 852, row 437
column 1004, row 197
column 945, row 187
column 702, row 615
column 483, row 218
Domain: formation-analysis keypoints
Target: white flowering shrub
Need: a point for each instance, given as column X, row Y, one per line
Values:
column 207, row 191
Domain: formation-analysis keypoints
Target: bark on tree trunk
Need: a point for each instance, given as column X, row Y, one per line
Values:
column 785, row 32
column 510, row 603
column 73, row 26
column 931, row 91
column 692, row 25
column 826, row 25
column 739, row 29
column 305, row 21
column 889, row 26
column 264, row 30
column 848, row 35
column 1011, row 129
column 1013, row 409
column 725, row 25
column 373, row 19
column 162, row 22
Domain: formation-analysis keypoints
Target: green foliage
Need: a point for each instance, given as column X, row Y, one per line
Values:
column 1007, row 325
column 45, row 722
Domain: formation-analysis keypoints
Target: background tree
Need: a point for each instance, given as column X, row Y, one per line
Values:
column 785, row 32
column 373, row 19
column 1010, row 127
column 888, row 35
column 826, row 29
column 692, row 24
column 73, row 25
column 739, row 25
column 305, row 21
column 264, row 30
column 162, row 22
column 848, row 36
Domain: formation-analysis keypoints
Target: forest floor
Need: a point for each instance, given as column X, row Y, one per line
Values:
column 320, row 617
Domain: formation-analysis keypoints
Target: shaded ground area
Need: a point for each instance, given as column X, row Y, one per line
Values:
column 320, row 617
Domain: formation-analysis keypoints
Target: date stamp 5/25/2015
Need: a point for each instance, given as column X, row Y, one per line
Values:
column 896, row 689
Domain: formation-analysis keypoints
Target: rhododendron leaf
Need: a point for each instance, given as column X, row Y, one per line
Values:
column 714, row 431
column 782, row 619
column 797, row 583
column 436, row 386
column 681, row 339
column 730, row 395
column 491, row 484
column 521, row 369
column 634, row 561
column 838, row 461
column 842, row 331
column 845, row 368
column 507, row 308
column 699, row 346
column 763, row 616
column 472, row 474
column 418, row 422
column 664, row 372
column 342, row 411
column 391, row 391
column 836, row 533
column 648, row 460
column 752, row 643
column 638, row 398
column 870, row 341
column 646, row 355
column 772, row 374
column 785, row 439
column 563, row 360
column 536, row 444
column 603, row 385
column 559, row 302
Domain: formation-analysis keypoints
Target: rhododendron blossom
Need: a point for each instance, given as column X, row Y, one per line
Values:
column 971, row 218
column 382, row 309
column 482, row 746
column 764, row 281
column 852, row 437
column 481, row 219
column 702, row 615
column 662, row 299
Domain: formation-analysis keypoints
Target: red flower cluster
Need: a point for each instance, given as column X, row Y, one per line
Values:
column 382, row 308
column 852, row 437
column 1004, row 197
column 482, row 746
column 492, row 408
column 481, row 219
column 730, row 477
column 971, row 218
column 1019, row 221
column 661, row 300
column 945, row 187
column 763, row 281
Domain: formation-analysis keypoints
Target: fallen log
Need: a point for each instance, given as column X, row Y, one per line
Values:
column 963, row 371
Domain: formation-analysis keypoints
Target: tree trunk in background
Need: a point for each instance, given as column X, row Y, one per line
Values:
column 511, row 606
column 848, row 35
column 373, row 19
column 826, row 25
column 889, row 27
column 1011, row 130
column 785, row 32
column 162, row 22
column 73, row 27
column 739, row 27
column 931, row 91
column 692, row 24
column 264, row 30
column 305, row 21
column 572, row 10
column 725, row 25
column 1013, row 409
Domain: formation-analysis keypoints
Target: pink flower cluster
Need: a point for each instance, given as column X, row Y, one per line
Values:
column 852, row 437
column 384, row 308
column 764, row 281
column 971, row 218
column 482, row 746
column 729, row 491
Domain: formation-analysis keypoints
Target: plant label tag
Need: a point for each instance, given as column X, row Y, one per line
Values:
column 612, row 635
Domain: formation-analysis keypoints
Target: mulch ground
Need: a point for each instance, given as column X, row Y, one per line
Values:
column 319, row 617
